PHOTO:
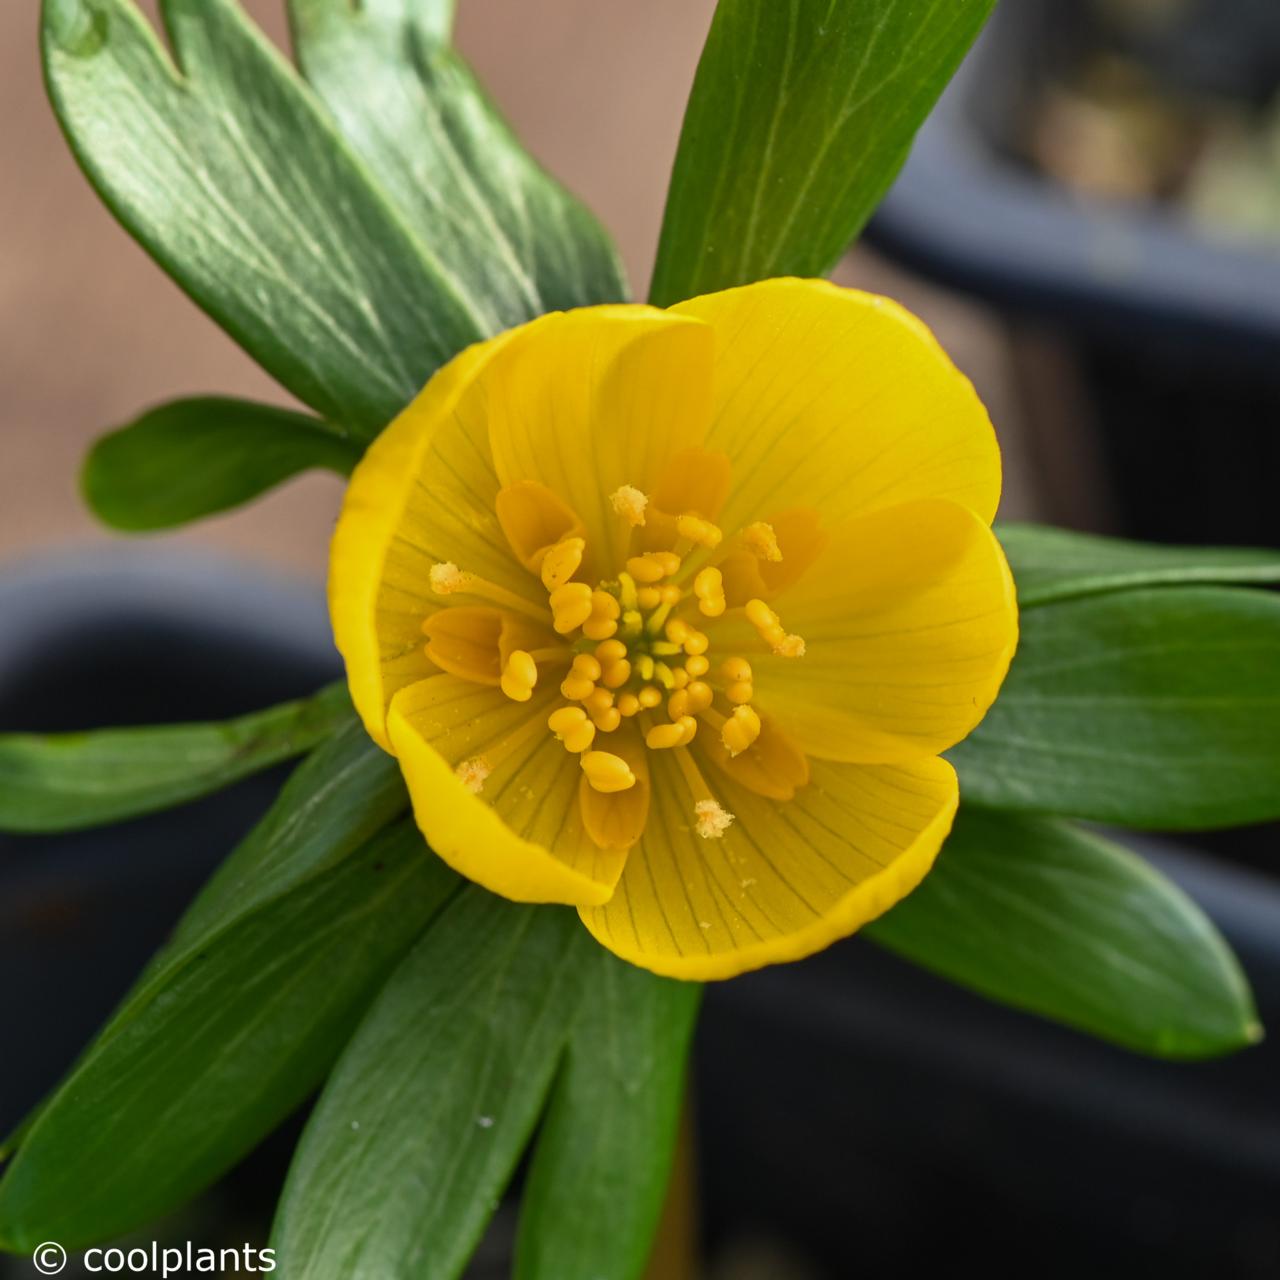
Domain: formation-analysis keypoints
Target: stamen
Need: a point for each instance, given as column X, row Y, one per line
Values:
column 447, row 579
column 708, row 586
column 519, row 676
column 700, row 696
column 570, row 606
column 603, row 621
column 737, row 671
column 608, row 651
column 607, row 773
column 678, row 704
column 647, row 569
column 698, row 530
column 762, row 542
column 648, row 597
column 628, row 705
column 629, row 503
column 616, row 674
column 740, row 730
column 650, row 696
column 698, row 665
column 695, row 643
column 571, row 726
column 771, row 630
column 472, row 774
column 712, row 819
column 562, row 562
column 662, row 737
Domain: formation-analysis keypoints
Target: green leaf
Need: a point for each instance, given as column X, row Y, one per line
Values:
column 1157, row 708
column 802, row 114
column 597, row 1182
column 215, row 1047
column 230, row 174
column 193, row 458
column 427, row 1112
column 514, row 240
column 1055, row 564
column 70, row 781
column 1042, row 916
column 341, row 796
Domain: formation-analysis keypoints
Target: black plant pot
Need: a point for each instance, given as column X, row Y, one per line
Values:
column 874, row 1119
column 1173, row 334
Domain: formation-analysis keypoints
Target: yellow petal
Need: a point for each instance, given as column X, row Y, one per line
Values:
column 422, row 495
column 841, row 401
column 785, row 879
column 909, row 622
column 521, row 834
column 599, row 399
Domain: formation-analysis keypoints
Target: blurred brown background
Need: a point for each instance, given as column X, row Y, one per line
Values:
column 91, row 332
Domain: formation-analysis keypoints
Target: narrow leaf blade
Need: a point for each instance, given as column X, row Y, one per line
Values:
column 227, row 171
column 194, row 458
column 801, row 115
column 595, row 1189
column 70, row 781
column 215, row 1047
column 511, row 237
column 431, row 1105
column 1056, row 564
column 1157, row 708
column 1043, row 916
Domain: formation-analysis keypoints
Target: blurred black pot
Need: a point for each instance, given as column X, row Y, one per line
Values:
column 868, row 1117
column 1155, row 411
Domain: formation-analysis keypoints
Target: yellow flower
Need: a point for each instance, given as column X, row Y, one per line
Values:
column 668, row 615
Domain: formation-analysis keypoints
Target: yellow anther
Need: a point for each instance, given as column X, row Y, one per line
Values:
column 700, row 696
column 610, row 651
column 562, row 562
column 681, row 677
column 607, row 720
column 698, row 530
column 643, row 666
column 762, row 541
column 695, row 643
column 632, row 622
column 626, row 591
column 585, row 667
column 677, row 630
column 740, row 692
column 650, row 696
column 519, row 676
column 570, row 606
column 664, row 675
column 736, row 669
column 669, row 561
column 616, row 674
column 603, row 621
column 690, row 727
column 664, row 736
column 628, row 704
column 711, row 819
column 708, row 586
column 698, row 665
column 771, row 630
column 576, row 688
column 571, row 726
column 447, row 578
column 649, row 597
column 671, row 594
column 629, row 503
column 678, row 704
column 646, row 569
column 472, row 774
column 740, row 730
column 664, row 649
column 599, row 701
column 607, row 773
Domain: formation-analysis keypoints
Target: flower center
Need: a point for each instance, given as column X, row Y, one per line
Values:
column 635, row 647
